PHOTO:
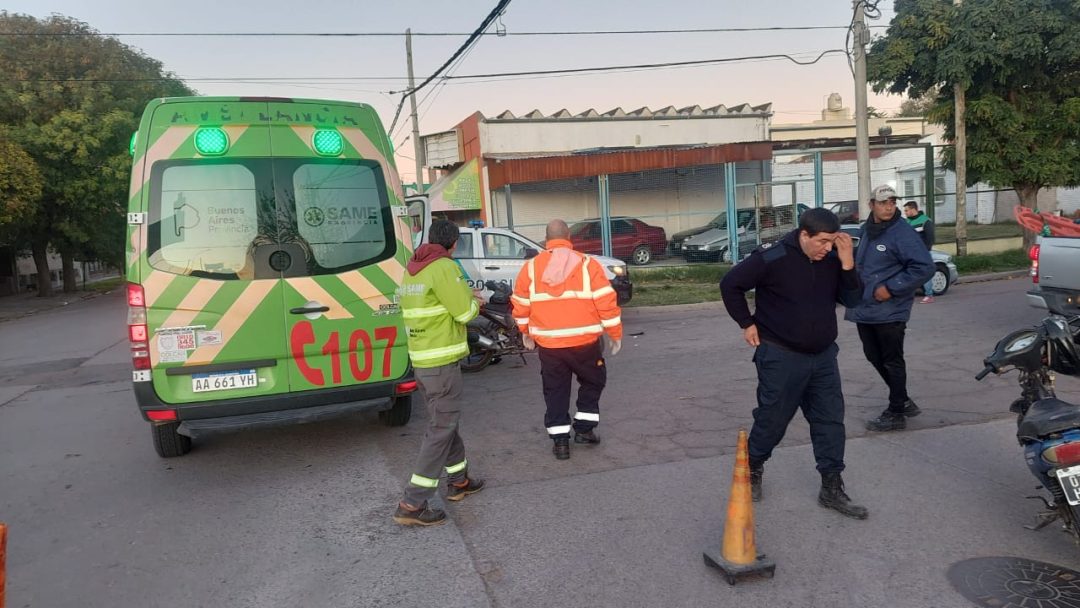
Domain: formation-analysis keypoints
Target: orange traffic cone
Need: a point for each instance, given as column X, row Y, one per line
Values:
column 738, row 556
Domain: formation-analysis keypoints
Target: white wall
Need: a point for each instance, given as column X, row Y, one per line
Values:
column 563, row 135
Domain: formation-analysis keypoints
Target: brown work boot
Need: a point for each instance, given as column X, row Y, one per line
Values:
column 456, row 492
column 408, row 515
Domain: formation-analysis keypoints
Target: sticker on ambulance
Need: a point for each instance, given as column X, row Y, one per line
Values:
column 208, row 338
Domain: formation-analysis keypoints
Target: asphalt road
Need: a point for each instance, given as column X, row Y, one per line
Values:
column 300, row 515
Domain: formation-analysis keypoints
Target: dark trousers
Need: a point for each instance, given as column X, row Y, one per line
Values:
column 883, row 344
column 787, row 381
column 558, row 366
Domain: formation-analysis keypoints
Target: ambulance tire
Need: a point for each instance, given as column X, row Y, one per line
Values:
column 167, row 442
column 399, row 414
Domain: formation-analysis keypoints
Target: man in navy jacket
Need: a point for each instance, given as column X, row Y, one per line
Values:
column 892, row 262
column 798, row 282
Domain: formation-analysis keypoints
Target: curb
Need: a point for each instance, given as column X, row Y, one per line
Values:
column 993, row 276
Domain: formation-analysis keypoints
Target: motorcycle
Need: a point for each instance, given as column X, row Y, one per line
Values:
column 493, row 334
column 1047, row 428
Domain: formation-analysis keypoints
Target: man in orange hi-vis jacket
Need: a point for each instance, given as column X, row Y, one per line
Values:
column 564, row 304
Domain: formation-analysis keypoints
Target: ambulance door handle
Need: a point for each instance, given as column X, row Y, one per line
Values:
column 306, row 310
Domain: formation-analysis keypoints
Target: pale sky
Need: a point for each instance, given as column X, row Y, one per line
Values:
column 368, row 69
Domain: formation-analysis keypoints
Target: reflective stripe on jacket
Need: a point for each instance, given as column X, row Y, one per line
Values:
column 575, row 312
column 436, row 304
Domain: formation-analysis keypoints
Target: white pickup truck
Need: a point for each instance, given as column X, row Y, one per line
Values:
column 1055, row 272
column 497, row 254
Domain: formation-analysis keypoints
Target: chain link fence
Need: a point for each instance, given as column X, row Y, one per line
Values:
column 677, row 216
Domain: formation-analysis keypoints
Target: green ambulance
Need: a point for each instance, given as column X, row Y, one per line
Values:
column 267, row 238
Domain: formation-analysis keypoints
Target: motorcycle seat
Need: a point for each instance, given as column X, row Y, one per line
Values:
column 1048, row 416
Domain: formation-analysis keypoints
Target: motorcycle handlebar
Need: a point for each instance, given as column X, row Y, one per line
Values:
column 986, row 370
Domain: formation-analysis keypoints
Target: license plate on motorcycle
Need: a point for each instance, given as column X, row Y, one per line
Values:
column 1070, row 483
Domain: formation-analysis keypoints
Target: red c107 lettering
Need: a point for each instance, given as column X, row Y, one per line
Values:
column 303, row 334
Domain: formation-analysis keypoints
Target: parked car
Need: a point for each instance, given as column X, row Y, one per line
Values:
column 944, row 275
column 497, row 254
column 675, row 247
column 631, row 239
column 712, row 245
column 847, row 211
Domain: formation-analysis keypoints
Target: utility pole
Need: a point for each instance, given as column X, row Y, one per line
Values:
column 960, row 148
column 418, row 148
column 861, row 36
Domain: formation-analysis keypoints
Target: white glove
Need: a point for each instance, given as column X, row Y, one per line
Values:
column 529, row 343
column 616, row 346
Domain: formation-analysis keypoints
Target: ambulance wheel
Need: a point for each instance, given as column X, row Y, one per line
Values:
column 167, row 442
column 399, row 414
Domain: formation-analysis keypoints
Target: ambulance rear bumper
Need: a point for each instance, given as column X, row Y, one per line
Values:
column 243, row 413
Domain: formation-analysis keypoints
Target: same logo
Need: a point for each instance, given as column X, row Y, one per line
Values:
column 314, row 217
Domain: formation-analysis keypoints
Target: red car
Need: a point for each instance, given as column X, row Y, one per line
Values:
column 631, row 239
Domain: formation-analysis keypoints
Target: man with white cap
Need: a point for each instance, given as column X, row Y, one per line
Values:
column 892, row 263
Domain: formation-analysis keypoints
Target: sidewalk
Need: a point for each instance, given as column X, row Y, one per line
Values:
column 26, row 304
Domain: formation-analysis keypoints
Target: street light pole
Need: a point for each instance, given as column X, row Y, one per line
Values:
column 418, row 148
column 960, row 149
column 860, row 35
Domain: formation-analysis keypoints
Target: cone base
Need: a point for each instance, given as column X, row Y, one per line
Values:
column 762, row 566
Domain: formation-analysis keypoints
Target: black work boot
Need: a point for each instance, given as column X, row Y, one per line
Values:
column 832, row 496
column 561, row 449
column 887, row 421
column 589, row 437
column 757, row 469
column 910, row 409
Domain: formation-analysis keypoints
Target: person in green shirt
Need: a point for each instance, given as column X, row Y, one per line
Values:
column 925, row 227
column 436, row 303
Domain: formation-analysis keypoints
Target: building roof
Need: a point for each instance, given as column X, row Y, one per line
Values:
column 670, row 112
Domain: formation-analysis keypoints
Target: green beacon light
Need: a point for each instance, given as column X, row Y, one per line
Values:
column 327, row 142
column 131, row 144
column 211, row 141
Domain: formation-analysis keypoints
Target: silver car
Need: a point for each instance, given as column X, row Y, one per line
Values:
column 944, row 275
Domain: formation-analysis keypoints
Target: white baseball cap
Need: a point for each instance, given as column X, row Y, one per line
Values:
column 884, row 193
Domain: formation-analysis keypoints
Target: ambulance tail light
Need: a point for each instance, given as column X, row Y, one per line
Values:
column 138, row 332
column 404, row 388
column 161, row 415
column 1033, row 255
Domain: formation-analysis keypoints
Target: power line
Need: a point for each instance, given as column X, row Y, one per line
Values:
column 715, row 30
column 495, row 12
column 568, row 71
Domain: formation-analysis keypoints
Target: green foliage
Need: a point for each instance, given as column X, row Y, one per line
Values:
column 1019, row 62
column 71, row 99
column 20, row 187
column 1014, row 259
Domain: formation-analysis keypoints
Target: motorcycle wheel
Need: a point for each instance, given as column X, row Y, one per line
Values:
column 477, row 359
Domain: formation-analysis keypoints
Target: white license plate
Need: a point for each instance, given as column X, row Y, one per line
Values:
column 224, row 381
column 1070, row 482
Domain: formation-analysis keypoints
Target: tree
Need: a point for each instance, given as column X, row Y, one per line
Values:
column 71, row 99
column 918, row 107
column 20, row 188
column 1018, row 60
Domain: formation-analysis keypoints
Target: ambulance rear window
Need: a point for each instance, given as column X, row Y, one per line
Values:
column 261, row 218
column 343, row 213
